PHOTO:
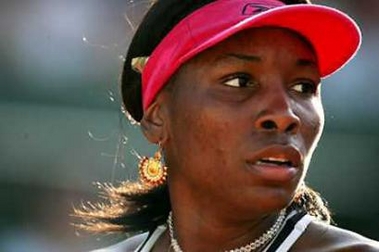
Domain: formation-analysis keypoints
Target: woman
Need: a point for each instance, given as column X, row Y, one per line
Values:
column 229, row 91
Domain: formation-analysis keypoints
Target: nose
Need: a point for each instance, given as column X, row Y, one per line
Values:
column 278, row 117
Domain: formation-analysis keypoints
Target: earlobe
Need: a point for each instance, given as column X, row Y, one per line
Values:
column 153, row 124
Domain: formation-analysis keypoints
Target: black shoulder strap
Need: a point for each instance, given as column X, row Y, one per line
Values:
column 146, row 240
column 286, row 230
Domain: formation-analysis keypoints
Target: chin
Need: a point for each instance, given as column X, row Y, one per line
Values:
column 277, row 203
column 271, row 200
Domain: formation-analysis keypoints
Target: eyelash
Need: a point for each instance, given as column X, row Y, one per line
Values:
column 307, row 87
column 246, row 81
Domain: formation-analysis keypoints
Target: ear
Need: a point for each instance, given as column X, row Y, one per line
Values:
column 153, row 123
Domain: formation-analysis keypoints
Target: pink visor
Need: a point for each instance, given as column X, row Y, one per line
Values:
column 334, row 36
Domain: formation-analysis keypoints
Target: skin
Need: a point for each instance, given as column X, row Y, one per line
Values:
column 256, row 92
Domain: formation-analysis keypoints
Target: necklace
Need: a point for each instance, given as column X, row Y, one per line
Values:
column 257, row 243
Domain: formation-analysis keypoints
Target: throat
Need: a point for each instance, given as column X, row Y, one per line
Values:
column 234, row 243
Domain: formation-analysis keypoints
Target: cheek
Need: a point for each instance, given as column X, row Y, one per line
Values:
column 195, row 121
column 202, row 131
column 201, row 136
column 317, row 118
column 312, row 121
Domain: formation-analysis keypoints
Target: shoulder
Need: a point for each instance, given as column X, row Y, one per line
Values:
column 323, row 237
column 128, row 245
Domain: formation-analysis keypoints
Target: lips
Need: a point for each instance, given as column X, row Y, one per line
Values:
column 278, row 155
column 277, row 162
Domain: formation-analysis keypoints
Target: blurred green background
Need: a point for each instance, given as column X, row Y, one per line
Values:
column 61, row 126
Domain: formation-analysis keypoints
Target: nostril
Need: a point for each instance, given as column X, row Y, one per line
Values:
column 269, row 125
column 292, row 127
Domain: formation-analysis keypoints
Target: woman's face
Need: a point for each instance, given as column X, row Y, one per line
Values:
column 243, row 119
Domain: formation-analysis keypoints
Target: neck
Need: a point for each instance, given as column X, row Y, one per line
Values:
column 206, row 230
column 216, row 221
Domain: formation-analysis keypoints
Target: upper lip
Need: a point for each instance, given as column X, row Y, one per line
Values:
column 282, row 153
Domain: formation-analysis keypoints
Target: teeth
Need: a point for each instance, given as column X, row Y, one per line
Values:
column 273, row 160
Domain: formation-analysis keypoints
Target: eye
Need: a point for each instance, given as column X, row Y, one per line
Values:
column 239, row 80
column 305, row 87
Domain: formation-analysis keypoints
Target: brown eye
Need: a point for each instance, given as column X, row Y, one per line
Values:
column 239, row 81
column 305, row 87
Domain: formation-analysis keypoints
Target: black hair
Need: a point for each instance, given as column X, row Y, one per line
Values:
column 160, row 19
column 132, row 206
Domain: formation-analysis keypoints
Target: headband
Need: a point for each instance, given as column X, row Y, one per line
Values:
column 334, row 36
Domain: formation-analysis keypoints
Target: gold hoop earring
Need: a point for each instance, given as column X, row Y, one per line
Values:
column 152, row 171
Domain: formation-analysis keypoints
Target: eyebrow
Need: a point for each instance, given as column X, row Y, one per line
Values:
column 254, row 58
column 244, row 57
column 306, row 62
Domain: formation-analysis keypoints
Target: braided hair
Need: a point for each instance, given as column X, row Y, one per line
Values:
column 131, row 206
